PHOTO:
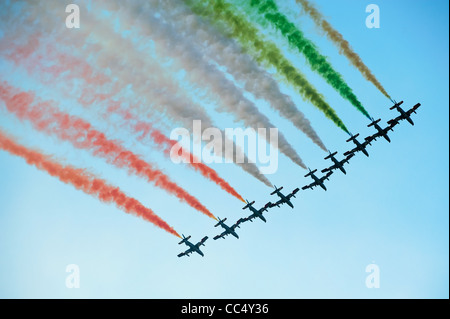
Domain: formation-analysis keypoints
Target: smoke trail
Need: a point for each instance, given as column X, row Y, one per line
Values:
column 264, row 51
column 241, row 66
column 45, row 117
column 146, row 129
column 169, row 42
column 160, row 92
column 269, row 10
column 342, row 44
column 84, row 181
column 78, row 69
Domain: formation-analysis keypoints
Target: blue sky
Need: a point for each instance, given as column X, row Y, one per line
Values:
column 390, row 209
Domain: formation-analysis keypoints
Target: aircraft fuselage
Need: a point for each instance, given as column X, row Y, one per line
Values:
column 257, row 213
column 229, row 230
column 194, row 248
column 338, row 164
column 405, row 115
column 284, row 198
column 360, row 147
column 382, row 133
column 318, row 181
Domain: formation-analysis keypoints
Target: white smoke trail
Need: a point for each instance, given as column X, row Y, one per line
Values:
column 150, row 82
column 241, row 66
column 170, row 43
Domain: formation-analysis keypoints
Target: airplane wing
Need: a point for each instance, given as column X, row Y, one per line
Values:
column 348, row 153
column 263, row 209
column 347, row 159
column 293, row 193
column 225, row 233
column 323, row 178
column 312, row 185
column 236, row 225
column 250, row 218
column 328, row 169
column 395, row 121
column 278, row 203
column 390, row 127
column 370, row 139
column 186, row 253
column 413, row 110
column 201, row 242
column 367, row 141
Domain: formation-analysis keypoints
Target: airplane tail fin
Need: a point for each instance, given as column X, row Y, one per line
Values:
column 220, row 221
column 373, row 122
column 184, row 239
column 276, row 190
column 248, row 205
column 352, row 138
column 330, row 156
column 310, row 173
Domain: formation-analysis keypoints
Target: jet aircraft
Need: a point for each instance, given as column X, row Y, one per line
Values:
column 381, row 132
column 192, row 248
column 229, row 230
column 360, row 147
column 317, row 181
column 256, row 213
column 284, row 199
column 337, row 164
column 404, row 115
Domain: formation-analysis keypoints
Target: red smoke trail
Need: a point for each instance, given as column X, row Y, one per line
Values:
column 84, row 181
column 80, row 69
column 167, row 144
column 32, row 53
column 206, row 171
column 47, row 118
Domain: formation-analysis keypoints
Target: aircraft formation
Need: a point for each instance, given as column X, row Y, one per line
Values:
column 317, row 181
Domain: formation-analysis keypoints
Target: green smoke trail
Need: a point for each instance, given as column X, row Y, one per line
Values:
column 296, row 38
column 235, row 25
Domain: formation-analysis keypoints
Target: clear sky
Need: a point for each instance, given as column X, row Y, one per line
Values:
column 391, row 209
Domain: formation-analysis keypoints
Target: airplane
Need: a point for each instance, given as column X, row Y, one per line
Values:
column 256, row 212
column 317, row 181
column 380, row 131
column 404, row 115
column 228, row 230
column 337, row 164
column 192, row 248
column 283, row 199
column 359, row 147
